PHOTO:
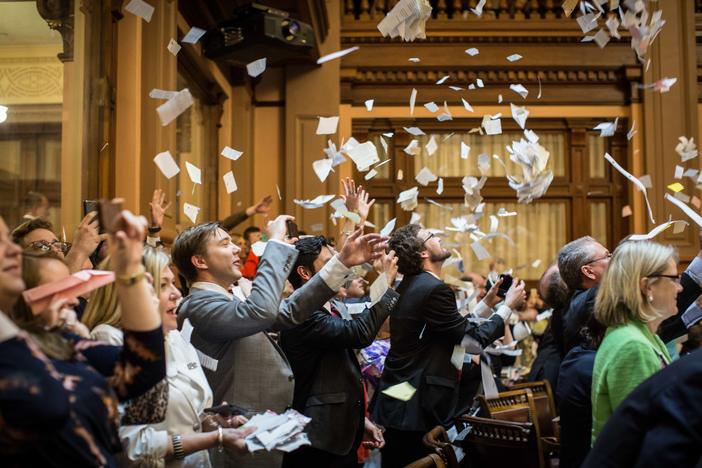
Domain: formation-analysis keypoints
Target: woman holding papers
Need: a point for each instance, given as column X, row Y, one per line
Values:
column 186, row 433
column 75, row 423
column 638, row 291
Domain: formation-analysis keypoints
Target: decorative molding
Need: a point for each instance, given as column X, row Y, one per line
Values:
column 31, row 80
column 376, row 38
column 60, row 17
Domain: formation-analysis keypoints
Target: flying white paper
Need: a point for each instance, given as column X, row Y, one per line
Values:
column 316, row 202
column 256, row 67
column 407, row 19
column 171, row 109
column 327, row 125
column 369, row 104
column 408, row 199
column 654, row 232
column 425, row 176
column 322, row 168
column 388, row 228
column 431, row 106
column 191, row 211
column 193, row 35
column 465, row 151
column 514, row 57
column 468, row 107
column 336, row 55
column 473, row 51
column 416, row 131
column 519, row 89
column 431, row 147
column 440, row 186
column 231, row 153
column 230, row 182
column 165, row 162
column 161, row 94
column 637, row 183
column 194, row 173
column 607, row 129
column 173, row 47
column 519, row 114
column 364, row 155
column 141, row 9
column 479, row 251
column 686, row 209
column 413, row 99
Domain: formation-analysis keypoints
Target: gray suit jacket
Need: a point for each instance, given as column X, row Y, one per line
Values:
column 251, row 370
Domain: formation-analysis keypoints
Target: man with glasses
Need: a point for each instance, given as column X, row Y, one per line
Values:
column 428, row 340
column 38, row 234
column 582, row 263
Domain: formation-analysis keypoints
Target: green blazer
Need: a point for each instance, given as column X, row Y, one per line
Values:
column 628, row 355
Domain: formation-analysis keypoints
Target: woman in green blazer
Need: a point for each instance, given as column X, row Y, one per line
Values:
column 637, row 293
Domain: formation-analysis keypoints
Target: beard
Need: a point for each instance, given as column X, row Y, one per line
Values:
column 439, row 257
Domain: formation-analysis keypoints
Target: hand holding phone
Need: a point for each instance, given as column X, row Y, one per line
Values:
column 292, row 229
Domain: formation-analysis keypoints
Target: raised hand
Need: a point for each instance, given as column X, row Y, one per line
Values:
column 491, row 299
column 350, row 195
column 87, row 237
column 364, row 205
column 387, row 263
column 516, row 296
column 126, row 246
column 234, row 439
column 158, row 207
column 262, row 207
column 360, row 249
column 277, row 228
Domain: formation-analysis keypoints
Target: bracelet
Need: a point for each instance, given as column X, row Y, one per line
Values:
column 154, row 229
column 178, row 452
column 220, row 439
column 130, row 280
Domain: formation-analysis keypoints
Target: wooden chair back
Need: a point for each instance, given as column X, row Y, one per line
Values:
column 433, row 460
column 513, row 405
column 500, row 444
column 544, row 403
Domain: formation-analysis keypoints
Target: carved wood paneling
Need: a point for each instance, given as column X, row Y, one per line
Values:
column 59, row 15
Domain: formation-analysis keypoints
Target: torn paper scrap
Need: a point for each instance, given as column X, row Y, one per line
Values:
column 468, row 107
column 676, row 187
column 388, row 228
column 632, row 131
column 416, row 131
column 413, row 99
column 479, row 251
column 492, row 126
column 165, row 162
column 407, row 19
column 646, row 181
column 402, row 391
column 473, row 51
column 230, row 182
column 408, row 199
column 678, row 172
column 141, row 9
column 231, row 153
column 414, row 59
column 431, row 147
column 191, row 211
column 519, row 89
column 637, row 183
column 173, row 47
column 327, row 125
column 654, row 232
column 519, row 114
column 442, row 80
column 161, row 94
column 193, row 35
column 336, row 55
column 425, row 176
column 364, row 155
column 465, row 151
column 478, row 10
column 431, row 107
column 369, row 104
column 440, row 186
column 256, row 67
column 514, row 57
column 626, row 211
column 588, row 22
column 686, row 148
column 503, row 212
column 316, row 202
column 171, row 109
column 322, row 168
column 607, row 129
column 194, row 173
column 483, row 163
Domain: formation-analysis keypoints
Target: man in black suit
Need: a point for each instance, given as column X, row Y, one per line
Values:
column 328, row 384
column 659, row 424
column 426, row 333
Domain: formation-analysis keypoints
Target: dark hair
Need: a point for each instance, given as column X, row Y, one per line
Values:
column 308, row 249
column 407, row 248
column 553, row 289
column 250, row 230
column 32, row 200
column 23, row 230
column 192, row 241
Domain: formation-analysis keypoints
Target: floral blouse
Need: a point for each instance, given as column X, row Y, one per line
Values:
column 64, row 413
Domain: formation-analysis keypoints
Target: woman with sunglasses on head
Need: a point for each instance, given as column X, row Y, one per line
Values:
column 638, row 291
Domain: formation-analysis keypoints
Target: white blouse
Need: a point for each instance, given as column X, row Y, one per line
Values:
column 188, row 395
column 108, row 334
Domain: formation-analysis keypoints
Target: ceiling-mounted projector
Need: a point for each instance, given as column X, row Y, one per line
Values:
column 256, row 31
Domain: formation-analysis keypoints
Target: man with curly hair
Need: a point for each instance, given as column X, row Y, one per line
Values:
column 426, row 333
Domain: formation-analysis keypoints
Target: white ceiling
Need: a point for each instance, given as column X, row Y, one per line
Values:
column 20, row 24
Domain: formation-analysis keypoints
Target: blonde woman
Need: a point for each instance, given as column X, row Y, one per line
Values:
column 184, row 436
column 103, row 315
column 638, row 292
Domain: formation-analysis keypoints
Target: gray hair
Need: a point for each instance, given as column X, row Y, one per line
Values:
column 553, row 290
column 572, row 257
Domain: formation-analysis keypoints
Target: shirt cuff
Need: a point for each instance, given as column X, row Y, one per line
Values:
column 504, row 312
column 482, row 310
column 692, row 315
column 335, row 273
column 152, row 241
column 694, row 269
column 282, row 243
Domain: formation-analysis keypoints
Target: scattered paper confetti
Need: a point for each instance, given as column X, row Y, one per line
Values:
column 256, row 67
column 327, row 125
column 425, row 176
column 230, row 182
column 165, row 162
column 193, row 35
column 465, row 151
column 676, row 187
column 654, row 232
column 407, row 19
column 191, row 211
column 173, row 47
column 388, row 228
column 686, row 149
column 514, row 57
column 468, row 107
column 364, row 155
column 519, row 89
column 316, row 202
column 194, row 173
column 607, row 129
column 336, row 55
column 431, row 147
column 440, row 186
column 413, row 98
column 431, row 107
column 171, row 109
column 414, row 59
column 322, row 168
column 519, row 114
column 626, row 211
column 637, row 183
column 415, row 131
column 230, row 153
column 369, row 104
column 473, row 51
column 141, row 9
column 403, row 391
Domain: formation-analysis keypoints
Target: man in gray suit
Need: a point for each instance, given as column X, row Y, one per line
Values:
column 242, row 363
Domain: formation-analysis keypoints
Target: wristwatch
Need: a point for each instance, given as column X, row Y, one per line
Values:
column 178, row 453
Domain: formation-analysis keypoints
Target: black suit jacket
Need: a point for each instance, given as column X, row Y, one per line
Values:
column 424, row 328
column 659, row 424
column 328, row 384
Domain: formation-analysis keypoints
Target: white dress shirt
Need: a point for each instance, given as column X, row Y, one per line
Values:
column 188, row 396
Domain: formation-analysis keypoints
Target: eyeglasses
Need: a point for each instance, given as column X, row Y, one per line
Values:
column 607, row 256
column 673, row 278
column 429, row 237
column 46, row 245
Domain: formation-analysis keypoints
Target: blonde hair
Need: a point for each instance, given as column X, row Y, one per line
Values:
column 155, row 261
column 619, row 298
column 103, row 306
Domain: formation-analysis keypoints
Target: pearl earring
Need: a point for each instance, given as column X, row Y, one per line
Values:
column 650, row 298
